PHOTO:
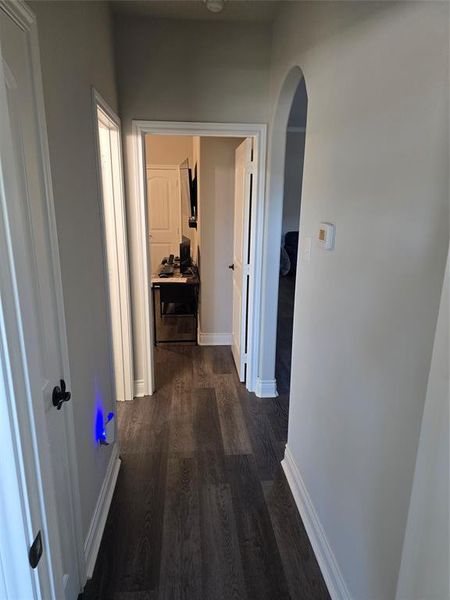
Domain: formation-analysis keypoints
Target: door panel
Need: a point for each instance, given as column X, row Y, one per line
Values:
column 164, row 210
column 242, row 191
column 39, row 301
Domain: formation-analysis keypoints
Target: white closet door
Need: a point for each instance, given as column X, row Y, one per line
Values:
column 164, row 213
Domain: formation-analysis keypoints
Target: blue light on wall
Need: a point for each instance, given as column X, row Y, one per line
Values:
column 100, row 431
column 100, row 427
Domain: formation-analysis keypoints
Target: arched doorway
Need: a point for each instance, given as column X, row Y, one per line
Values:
column 290, row 226
column 292, row 99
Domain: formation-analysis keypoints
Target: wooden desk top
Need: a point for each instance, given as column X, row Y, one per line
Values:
column 177, row 277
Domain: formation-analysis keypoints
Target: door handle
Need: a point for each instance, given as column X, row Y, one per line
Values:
column 231, row 267
column 59, row 395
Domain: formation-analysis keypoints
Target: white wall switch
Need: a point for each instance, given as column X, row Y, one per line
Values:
column 325, row 236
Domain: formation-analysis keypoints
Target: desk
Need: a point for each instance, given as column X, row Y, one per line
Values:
column 178, row 298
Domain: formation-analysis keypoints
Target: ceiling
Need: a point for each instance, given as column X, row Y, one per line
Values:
column 263, row 11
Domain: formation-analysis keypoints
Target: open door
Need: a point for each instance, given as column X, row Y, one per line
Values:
column 115, row 245
column 243, row 190
column 33, row 343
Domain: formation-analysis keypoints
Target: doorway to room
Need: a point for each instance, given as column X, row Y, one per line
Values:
column 289, row 264
column 200, row 197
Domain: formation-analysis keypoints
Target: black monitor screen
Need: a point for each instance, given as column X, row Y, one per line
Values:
column 185, row 254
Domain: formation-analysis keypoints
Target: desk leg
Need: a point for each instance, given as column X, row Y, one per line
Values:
column 155, row 334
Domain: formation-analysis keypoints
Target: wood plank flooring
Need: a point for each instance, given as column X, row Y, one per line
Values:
column 202, row 510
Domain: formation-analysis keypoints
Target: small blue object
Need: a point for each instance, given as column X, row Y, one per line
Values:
column 100, row 427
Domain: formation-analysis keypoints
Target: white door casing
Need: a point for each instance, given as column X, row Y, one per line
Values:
column 113, row 211
column 38, row 357
column 241, row 255
column 142, row 301
column 164, row 213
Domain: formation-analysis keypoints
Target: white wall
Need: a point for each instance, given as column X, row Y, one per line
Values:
column 186, row 71
column 376, row 165
column 217, row 159
column 425, row 562
column 76, row 53
column 168, row 149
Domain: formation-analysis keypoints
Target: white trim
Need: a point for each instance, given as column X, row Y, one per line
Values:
column 259, row 133
column 141, row 256
column 214, row 339
column 324, row 554
column 124, row 309
column 97, row 526
column 266, row 388
column 139, row 388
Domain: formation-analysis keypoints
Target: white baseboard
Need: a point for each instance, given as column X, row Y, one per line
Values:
column 139, row 388
column 327, row 562
column 266, row 388
column 94, row 536
column 214, row 339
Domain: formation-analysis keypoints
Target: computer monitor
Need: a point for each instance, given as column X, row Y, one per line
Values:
column 185, row 254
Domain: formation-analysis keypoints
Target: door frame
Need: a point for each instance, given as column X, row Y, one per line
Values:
column 30, row 470
column 256, row 131
column 124, row 276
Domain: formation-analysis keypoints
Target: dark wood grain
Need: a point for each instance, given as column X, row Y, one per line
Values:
column 285, row 320
column 180, row 576
column 201, row 509
column 210, row 453
column 299, row 562
column 261, row 562
column 232, row 423
column 222, row 571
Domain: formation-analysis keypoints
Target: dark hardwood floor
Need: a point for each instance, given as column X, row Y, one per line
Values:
column 202, row 510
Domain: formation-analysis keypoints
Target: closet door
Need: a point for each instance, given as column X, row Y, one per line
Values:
column 164, row 213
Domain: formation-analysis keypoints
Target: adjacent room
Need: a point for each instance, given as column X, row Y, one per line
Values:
column 191, row 211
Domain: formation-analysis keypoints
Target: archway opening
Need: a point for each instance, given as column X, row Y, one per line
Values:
column 290, row 232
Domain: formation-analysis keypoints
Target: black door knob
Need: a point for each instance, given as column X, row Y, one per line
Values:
column 231, row 267
column 60, row 395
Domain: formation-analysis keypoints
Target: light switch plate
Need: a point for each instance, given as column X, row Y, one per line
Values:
column 325, row 236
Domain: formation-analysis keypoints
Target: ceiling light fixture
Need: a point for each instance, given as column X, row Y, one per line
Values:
column 215, row 6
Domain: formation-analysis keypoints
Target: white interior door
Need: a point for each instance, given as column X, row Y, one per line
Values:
column 33, row 253
column 164, row 213
column 241, row 256
column 114, row 220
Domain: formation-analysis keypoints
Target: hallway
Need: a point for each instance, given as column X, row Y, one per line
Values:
column 285, row 323
column 202, row 509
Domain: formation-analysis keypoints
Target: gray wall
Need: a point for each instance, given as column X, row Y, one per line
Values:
column 217, row 160
column 293, row 174
column 186, row 71
column 424, row 569
column 376, row 165
column 76, row 53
